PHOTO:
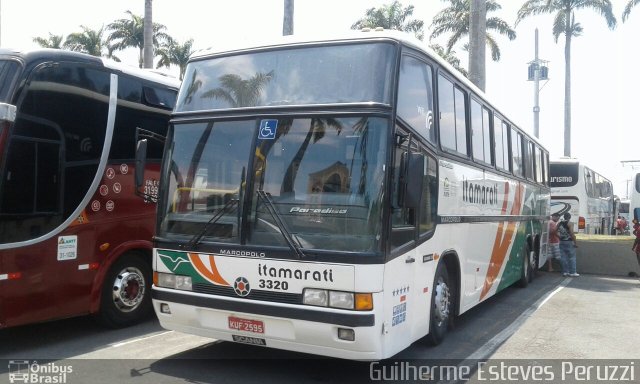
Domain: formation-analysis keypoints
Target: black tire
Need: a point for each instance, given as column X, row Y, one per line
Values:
column 126, row 292
column 442, row 306
column 534, row 258
column 526, row 274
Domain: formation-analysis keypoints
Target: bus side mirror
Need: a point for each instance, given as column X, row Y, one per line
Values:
column 141, row 161
column 636, row 213
column 413, row 180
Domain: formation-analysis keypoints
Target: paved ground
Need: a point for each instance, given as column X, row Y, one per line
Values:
column 588, row 317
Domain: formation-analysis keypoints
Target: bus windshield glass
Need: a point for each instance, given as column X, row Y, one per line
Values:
column 315, row 181
column 298, row 76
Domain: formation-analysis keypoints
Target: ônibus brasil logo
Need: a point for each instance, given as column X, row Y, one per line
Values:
column 241, row 286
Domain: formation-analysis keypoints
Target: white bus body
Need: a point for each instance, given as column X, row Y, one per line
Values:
column 584, row 193
column 327, row 222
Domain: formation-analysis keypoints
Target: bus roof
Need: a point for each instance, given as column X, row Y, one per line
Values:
column 371, row 34
column 43, row 54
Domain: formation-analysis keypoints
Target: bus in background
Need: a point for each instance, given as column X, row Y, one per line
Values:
column 74, row 237
column 316, row 202
column 586, row 194
column 634, row 199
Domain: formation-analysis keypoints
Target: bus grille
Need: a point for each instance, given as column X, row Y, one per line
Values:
column 279, row 297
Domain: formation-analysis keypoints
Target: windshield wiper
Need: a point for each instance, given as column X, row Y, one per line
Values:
column 195, row 240
column 286, row 233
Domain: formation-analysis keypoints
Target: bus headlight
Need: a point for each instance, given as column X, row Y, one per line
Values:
column 168, row 280
column 337, row 299
column 341, row 299
column 317, row 297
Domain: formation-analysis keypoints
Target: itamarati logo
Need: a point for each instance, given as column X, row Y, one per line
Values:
column 24, row 371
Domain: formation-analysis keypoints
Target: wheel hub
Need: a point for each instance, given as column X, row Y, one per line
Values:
column 442, row 302
column 128, row 289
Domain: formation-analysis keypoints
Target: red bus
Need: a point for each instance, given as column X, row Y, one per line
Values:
column 75, row 237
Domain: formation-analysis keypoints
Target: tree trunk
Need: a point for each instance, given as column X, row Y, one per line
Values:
column 148, row 34
column 477, row 42
column 567, row 94
column 287, row 21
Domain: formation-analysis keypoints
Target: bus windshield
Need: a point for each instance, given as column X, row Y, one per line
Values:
column 316, row 180
column 290, row 77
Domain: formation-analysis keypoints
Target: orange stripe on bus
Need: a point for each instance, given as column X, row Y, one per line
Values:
column 504, row 238
column 211, row 274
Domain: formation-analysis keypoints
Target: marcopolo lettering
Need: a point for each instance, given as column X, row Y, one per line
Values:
column 294, row 273
column 231, row 252
column 476, row 193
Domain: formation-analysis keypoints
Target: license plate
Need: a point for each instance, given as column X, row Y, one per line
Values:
column 246, row 325
column 249, row 340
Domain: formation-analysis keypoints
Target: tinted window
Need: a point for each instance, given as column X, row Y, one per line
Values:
column 481, row 132
column 54, row 149
column 516, row 153
column 528, row 160
column 500, row 141
column 563, row 175
column 8, row 73
column 318, row 75
column 415, row 97
column 135, row 112
column 429, row 203
column 452, row 107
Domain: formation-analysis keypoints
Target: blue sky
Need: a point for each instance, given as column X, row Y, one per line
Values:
column 605, row 127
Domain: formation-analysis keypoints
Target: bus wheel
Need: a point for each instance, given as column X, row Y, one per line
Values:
column 533, row 259
column 442, row 304
column 126, row 292
column 526, row 274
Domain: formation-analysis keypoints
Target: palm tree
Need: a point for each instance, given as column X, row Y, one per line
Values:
column 175, row 53
column 287, row 21
column 129, row 33
column 564, row 23
column 391, row 16
column 455, row 20
column 239, row 92
column 88, row 41
column 54, row 41
column 477, row 42
column 450, row 57
column 148, row 35
column 627, row 9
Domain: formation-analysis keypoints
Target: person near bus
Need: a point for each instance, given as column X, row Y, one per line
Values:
column 554, row 241
column 621, row 225
column 636, row 241
column 568, row 246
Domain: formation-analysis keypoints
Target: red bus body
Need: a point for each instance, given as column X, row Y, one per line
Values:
column 83, row 232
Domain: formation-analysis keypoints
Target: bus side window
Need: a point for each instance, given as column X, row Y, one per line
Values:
column 452, row 111
column 429, row 205
column 403, row 220
column 415, row 97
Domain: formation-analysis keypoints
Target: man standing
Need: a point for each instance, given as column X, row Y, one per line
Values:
column 567, row 246
column 554, row 242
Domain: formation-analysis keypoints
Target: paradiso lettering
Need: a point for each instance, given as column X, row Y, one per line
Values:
column 476, row 193
column 298, row 274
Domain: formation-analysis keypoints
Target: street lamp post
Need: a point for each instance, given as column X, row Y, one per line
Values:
column 538, row 70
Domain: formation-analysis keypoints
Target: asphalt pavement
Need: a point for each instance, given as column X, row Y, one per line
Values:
column 586, row 317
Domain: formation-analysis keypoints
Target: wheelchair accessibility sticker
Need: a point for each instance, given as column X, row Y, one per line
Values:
column 268, row 129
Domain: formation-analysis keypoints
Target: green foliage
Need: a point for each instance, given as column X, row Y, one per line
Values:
column 391, row 16
column 454, row 20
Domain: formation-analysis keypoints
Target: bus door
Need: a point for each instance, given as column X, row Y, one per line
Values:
column 53, row 155
column 413, row 218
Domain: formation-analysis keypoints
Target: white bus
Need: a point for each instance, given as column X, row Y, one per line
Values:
column 586, row 194
column 634, row 199
column 343, row 197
